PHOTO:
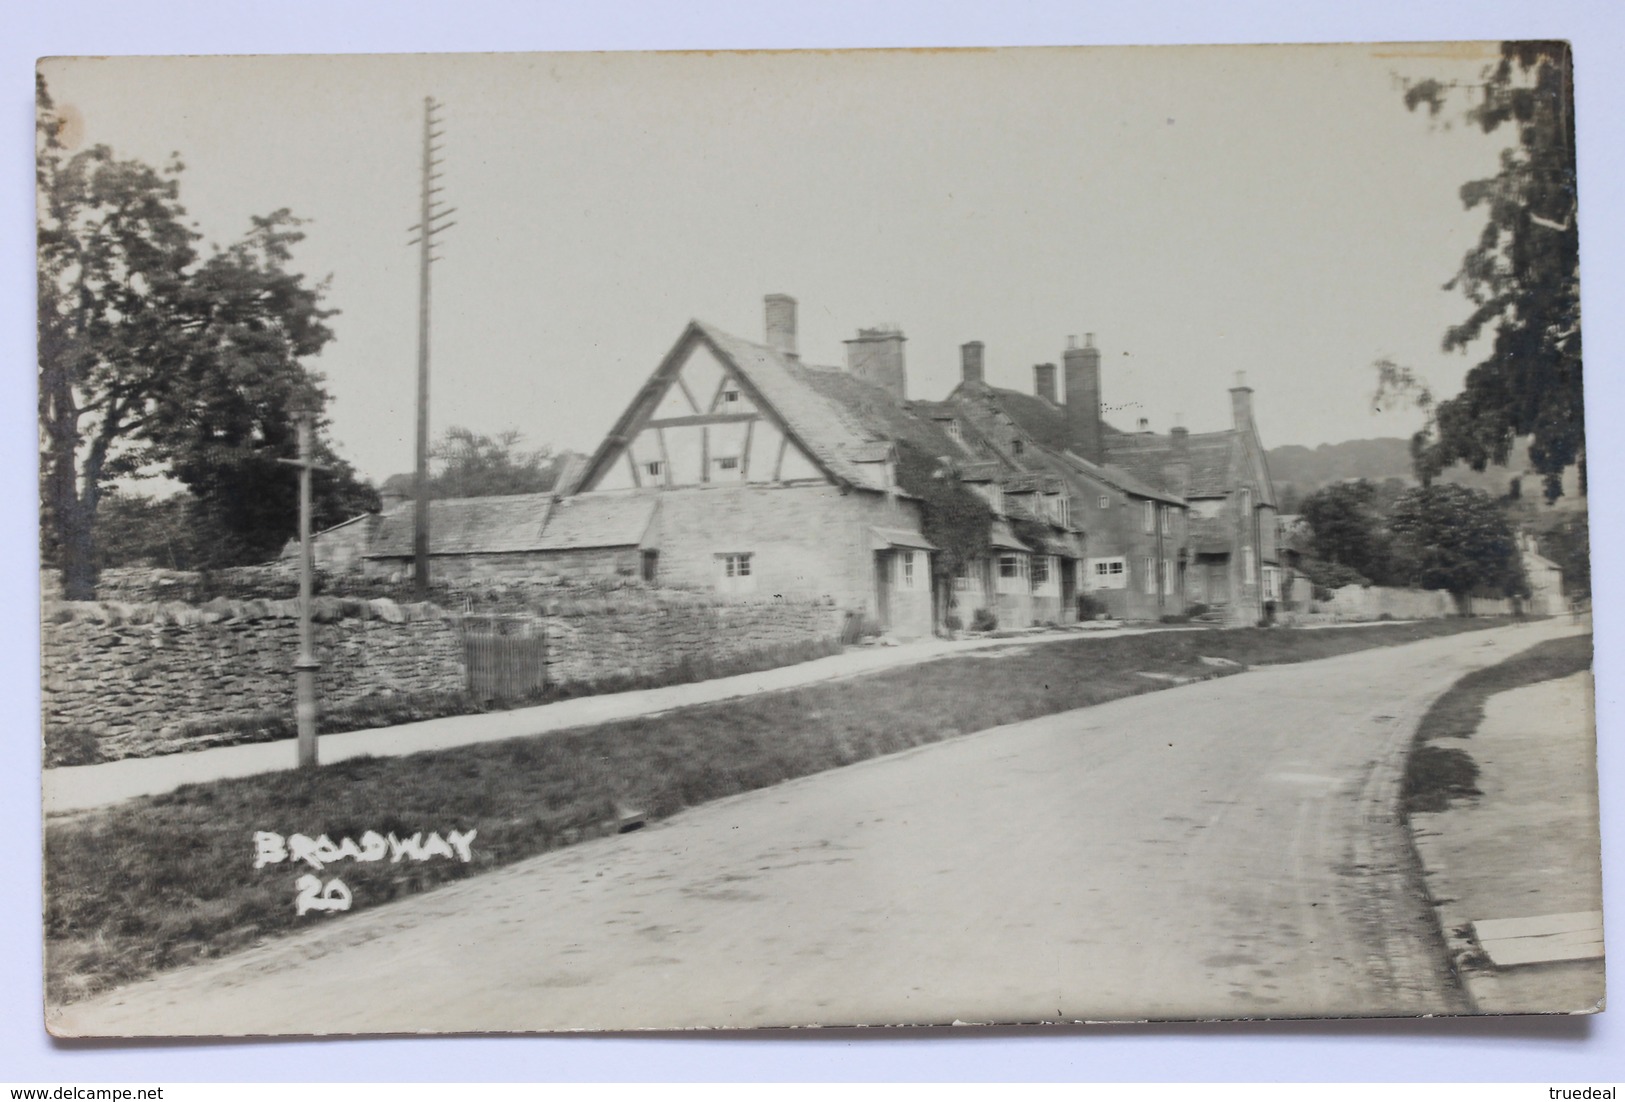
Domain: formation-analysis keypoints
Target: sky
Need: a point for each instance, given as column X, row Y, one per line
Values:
column 1203, row 211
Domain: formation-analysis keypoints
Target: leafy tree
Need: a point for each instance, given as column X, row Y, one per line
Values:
column 1522, row 278
column 155, row 357
column 1568, row 544
column 1351, row 531
column 475, row 465
column 1457, row 539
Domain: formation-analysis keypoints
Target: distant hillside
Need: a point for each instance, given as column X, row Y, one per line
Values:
column 1299, row 471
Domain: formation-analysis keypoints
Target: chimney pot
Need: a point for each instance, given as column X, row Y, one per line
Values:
column 1145, row 424
column 970, row 361
column 781, row 324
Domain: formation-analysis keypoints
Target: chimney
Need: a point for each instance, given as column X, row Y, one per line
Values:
column 1241, row 403
column 1177, row 473
column 970, row 361
column 781, row 325
column 1144, row 425
column 1044, row 381
column 1082, row 366
column 876, row 356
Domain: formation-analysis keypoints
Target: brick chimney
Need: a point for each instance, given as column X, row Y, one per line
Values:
column 1082, row 366
column 781, row 325
column 1044, row 381
column 1241, row 403
column 876, row 356
column 970, row 362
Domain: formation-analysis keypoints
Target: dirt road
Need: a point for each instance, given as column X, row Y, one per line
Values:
column 1227, row 848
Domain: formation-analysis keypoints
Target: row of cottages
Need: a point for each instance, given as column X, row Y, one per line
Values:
column 736, row 467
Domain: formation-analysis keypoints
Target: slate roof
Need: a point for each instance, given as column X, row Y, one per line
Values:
column 1116, row 476
column 465, row 526
column 1212, row 456
column 598, row 520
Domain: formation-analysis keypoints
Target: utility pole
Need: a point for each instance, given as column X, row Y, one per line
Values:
column 305, row 666
column 429, row 223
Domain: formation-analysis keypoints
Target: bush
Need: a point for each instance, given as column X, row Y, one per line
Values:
column 1090, row 608
column 1331, row 575
column 984, row 620
column 952, row 622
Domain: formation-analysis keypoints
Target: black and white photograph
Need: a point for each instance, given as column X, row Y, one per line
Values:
column 726, row 540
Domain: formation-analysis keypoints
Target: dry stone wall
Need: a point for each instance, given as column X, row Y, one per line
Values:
column 154, row 677
column 592, row 641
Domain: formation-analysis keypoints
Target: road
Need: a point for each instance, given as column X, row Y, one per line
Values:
column 1223, row 849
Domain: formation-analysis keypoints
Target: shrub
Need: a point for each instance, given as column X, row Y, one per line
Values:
column 1090, row 608
column 952, row 622
column 984, row 620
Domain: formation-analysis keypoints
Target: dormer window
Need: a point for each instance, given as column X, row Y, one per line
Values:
column 954, row 431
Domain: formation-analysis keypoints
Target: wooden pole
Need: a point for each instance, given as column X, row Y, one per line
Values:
column 306, row 666
column 420, row 525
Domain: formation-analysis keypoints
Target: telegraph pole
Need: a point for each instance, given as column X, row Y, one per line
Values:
column 430, row 222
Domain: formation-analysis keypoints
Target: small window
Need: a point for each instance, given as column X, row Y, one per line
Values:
column 654, row 468
column 1150, row 566
column 736, row 566
column 729, row 396
column 651, row 565
column 1009, row 566
column 962, row 577
column 1041, row 570
column 728, row 462
column 1017, row 446
column 1104, row 502
column 954, row 431
column 908, row 570
column 1063, row 511
column 1149, row 513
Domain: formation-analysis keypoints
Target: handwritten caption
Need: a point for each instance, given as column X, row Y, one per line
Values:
column 312, row 894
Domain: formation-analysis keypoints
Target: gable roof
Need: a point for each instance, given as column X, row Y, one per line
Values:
column 1148, row 455
column 465, row 526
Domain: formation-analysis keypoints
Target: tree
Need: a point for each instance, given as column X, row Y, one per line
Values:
column 154, row 357
column 1350, row 531
column 1522, row 278
column 1568, row 544
column 1457, row 539
column 475, row 465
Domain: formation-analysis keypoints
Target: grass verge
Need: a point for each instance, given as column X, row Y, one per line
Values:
column 1434, row 775
column 161, row 881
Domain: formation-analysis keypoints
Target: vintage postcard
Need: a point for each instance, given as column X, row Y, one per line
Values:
column 721, row 540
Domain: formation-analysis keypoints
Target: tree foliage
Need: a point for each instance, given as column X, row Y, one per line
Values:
column 1522, row 277
column 158, row 358
column 1457, row 539
column 953, row 517
column 472, row 464
column 1351, row 532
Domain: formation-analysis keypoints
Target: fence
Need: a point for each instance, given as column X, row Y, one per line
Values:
column 506, row 657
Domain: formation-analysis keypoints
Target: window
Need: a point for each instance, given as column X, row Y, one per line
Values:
column 1149, row 565
column 908, row 570
column 736, row 572
column 1104, row 502
column 1246, row 566
column 654, row 468
column 1009, row 566
column 962, row 577
column 954, row 431
column 1148, row 512
column 1063, row 511
column 729, row 396
column 727, row 462
column 1108, row 573
column 1041, row 570
column 651, row 564
column 1017, row 446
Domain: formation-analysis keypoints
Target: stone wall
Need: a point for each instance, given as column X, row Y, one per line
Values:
column 519, row 567
column 143, row 678
column 1354, row 603
column 590, row 641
